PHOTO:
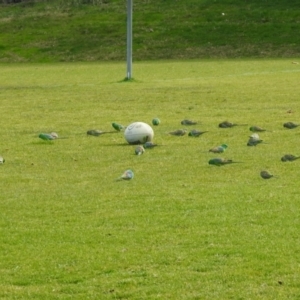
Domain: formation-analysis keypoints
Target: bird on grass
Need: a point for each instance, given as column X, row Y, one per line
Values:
column 266, row 174
column 94, row 132
column 117, row 126
column 2, row 160
column 139, row 150
column 227, row 124
column 218, row 149
column 50, row 136
column 290, row 125
column 127, row 175
column 256, row 129
column 178, row 132
column 289, row 157
column 196, row 133
column 221, row 161
column 188, row 122
column 149, row 145
column 254, row 140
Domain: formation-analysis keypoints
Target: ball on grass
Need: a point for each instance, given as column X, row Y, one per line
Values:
column 138, row 133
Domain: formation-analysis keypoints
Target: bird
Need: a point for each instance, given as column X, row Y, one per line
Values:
column 289, row 157
column 227, row 124
column 178, row 132
column 266, row 174
column 254, row 140
column 256, row 129
column 218, row 149
column 94, row 132
column 2, row 160
column 156, row 121
column 290, row 125
column 139, row 150
column 149, row 145
column 188, row 122
column 220, row 161
column 196, row 133
column 127, row 175
column 117, row 126
column 48, row 136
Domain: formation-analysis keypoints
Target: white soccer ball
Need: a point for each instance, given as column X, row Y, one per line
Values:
column 138, row 133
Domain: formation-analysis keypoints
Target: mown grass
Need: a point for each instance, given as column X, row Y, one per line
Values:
column 55, row 31
column 181, row 229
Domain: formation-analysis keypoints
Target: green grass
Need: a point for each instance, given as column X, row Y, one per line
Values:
column 181, row 229
column 56, row 31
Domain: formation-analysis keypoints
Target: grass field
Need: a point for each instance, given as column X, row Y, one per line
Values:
column 181, row 229
column 68, row 30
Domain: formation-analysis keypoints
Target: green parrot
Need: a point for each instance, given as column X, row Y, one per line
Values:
column 50, row 136
column 221, row 161
column 219, row 149
column 156, row 121
column 117, row 126
column 227, row 124
column 290, row 125
column 196, row 133
column 256, row 129
column 179, row 132
column 266, row 174
column 188, row 122
column 47, row 136
column 289, row 157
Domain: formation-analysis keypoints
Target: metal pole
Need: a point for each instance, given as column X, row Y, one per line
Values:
column 129, row 39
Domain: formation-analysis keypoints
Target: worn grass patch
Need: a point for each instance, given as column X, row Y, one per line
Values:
column 181, row 229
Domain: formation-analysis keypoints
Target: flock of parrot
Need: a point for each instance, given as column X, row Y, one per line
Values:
column 253, row 140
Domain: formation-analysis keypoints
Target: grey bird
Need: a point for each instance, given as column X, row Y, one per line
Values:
column 254, row 140
column 289, row 157
column 218, row 161
column 266, row 174
column 188, row 122
column 2, row 160
column 178, row 132
column 256, row 129
column 227, row 124
column 149, row 145
column 218, row 149
column 94, row 132
column 196, row 133
column 139, row 150
column 127, row 175
column 290, row 125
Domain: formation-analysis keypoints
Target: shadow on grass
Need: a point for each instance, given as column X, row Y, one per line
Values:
column 129, row 80
column 41, row 142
